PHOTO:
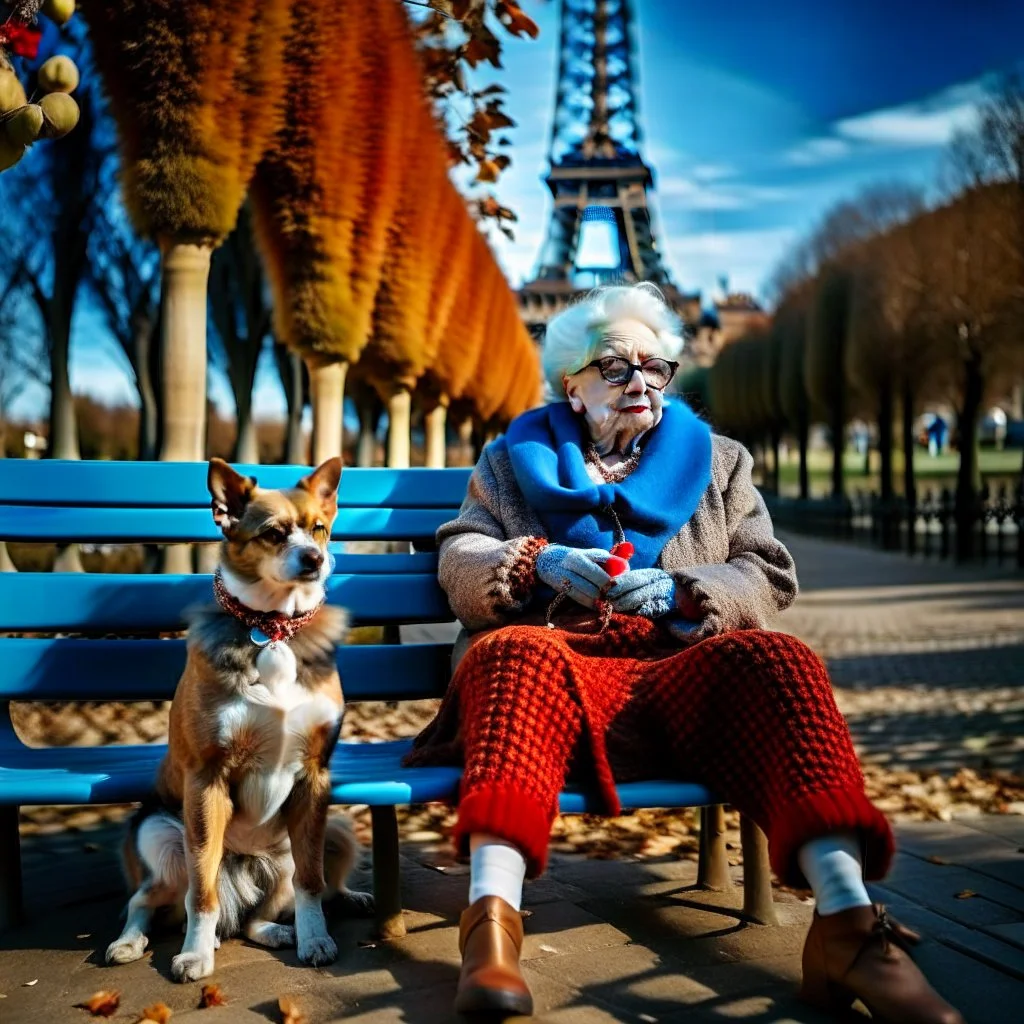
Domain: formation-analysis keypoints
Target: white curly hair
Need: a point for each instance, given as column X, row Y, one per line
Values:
column 575, row 334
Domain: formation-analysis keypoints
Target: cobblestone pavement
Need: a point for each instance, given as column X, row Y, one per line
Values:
column 927, row 657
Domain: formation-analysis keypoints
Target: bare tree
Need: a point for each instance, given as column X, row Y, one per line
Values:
column 240, row 313
column 124, row 280
column 295, row 382
column 974, row 300
column 55, row 192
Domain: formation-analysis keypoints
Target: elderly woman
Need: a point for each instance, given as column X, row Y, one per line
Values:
column 577, row 668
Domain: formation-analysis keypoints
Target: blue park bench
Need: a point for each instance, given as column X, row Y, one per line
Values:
column 109, row 658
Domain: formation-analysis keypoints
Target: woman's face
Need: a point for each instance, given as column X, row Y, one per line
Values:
column 617, row 413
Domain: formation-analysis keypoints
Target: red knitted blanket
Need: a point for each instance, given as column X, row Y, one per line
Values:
column 602, row 669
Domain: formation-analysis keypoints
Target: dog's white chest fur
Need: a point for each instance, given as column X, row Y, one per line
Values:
column 280, row 714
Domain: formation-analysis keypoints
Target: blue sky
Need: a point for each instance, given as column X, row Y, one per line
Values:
column 756, row 116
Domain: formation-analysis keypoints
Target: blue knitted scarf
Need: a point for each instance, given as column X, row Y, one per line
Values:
column 653, row 503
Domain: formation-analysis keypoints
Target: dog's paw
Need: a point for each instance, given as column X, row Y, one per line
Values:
column 126, row 951
column 318, row 950
column 192, row 966
column 273, row 936
column 350, row 903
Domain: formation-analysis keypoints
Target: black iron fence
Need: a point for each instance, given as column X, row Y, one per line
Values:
column 926, row 527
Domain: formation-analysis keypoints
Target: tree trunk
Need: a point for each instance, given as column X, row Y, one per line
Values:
column 6, row 565
column 327, row 394
column 909, row 484
column 399, row 415
column 965, row 504
column 435, row 423
column 775, row 441
column 247, row 449
column 147, row 345
column 803, row 441
column 295, row 442
column 186, row 269
column 838, row 424
column 369, row 417
column 886, row 411
column 63, row 440
column 465, row 432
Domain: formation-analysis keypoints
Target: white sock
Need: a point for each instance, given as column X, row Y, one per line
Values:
column 496, row 868
column 833, row 868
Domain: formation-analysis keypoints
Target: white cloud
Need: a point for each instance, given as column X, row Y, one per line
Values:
column 712, row 172
column 911, row 125
column 696, row 195
column 811, row 152
column 747, row 257
column 930, row 122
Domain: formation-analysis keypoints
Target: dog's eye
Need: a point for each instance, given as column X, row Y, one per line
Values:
column 320, row 532
column 273, row 535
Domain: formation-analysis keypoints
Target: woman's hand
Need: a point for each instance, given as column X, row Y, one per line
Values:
column 576, row 571
column 647, row 592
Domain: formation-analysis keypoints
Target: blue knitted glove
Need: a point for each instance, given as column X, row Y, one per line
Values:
column 647, row 592
column 579, row 569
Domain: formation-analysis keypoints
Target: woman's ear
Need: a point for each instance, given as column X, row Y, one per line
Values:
column 570, row 393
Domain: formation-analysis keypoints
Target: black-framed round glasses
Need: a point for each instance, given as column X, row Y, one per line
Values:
column 657, row 373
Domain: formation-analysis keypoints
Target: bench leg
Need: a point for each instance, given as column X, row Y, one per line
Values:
column 713, row 865
column 387, row 879
column 11, row 910
column 758, row 903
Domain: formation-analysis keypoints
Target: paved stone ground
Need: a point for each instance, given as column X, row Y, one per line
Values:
column 606, row 941
column 927, row 660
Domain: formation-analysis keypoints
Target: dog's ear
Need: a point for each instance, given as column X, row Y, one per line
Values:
column 230, row 492
column 323, row 482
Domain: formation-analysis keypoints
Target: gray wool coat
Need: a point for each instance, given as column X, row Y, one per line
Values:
column 726, row 557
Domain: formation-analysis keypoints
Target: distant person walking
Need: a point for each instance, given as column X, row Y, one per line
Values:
column 937, row 434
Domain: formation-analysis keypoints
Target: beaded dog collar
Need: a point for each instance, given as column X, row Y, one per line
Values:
column 264, row 627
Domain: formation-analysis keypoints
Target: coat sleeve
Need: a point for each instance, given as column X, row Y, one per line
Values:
column 488, row 576
column 757, row 580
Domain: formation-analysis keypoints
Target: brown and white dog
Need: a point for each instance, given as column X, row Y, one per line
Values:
column 238, row 833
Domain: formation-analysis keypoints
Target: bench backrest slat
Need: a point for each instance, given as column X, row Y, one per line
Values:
column 153, row 502
column 123, row 603
column 130, row 670
column 39, row 523
column 183, row 484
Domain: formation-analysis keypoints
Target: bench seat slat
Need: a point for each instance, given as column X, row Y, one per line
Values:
column 123, row 603
column 130, row 670
column 183, row 484
column 363, row 773
column 39, row 524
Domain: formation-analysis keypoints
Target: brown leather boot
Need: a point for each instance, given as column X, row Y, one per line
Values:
column 490, row 938
column 862, row 954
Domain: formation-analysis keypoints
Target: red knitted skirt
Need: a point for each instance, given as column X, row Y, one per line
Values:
column 749, row 714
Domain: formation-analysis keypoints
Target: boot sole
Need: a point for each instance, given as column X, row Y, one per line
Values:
column 490, row 1000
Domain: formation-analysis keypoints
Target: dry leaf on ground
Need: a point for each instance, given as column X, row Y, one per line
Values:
column 212, row 996
column 966, row 894
column 102, row 1004
column 290, row 1011
column 158, row 1013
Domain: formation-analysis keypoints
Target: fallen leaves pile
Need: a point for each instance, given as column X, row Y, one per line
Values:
column 106, row 1004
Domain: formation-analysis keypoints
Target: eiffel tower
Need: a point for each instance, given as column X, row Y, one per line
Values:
column 597, row 173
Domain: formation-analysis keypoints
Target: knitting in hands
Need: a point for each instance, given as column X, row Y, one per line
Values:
column 577, row 572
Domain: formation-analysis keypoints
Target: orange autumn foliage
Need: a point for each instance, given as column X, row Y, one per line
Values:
column 399, row 349
column 459, row 355
column 193, row 85
column 305, row 195
column 450, row 336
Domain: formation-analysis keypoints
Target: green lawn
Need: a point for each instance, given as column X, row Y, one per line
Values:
column 997, row 467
